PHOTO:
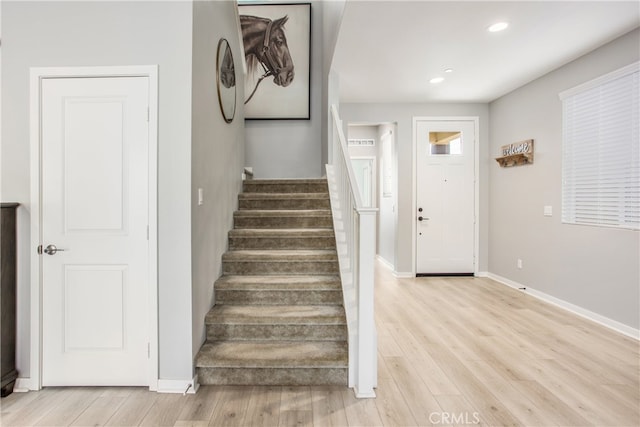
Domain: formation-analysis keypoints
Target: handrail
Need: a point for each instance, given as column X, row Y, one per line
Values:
column 355, row 228
column 344, row 151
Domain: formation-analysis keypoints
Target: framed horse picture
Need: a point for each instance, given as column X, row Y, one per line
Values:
column 277, row 43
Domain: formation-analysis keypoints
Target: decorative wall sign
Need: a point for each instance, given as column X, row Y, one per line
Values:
column 519, row 153
column 277, row 43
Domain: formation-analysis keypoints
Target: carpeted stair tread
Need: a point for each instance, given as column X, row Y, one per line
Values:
column 279, row 290
column 280, row 255
column 283, row 218
column 285, row 186
column 281, row 238
column 283, row 213
column 286, row 196
column 297, row 181
column 302, row 233
column 273, row 283
column 273, row 354
column 289, row 376
column 277, row 314
column 283, row 201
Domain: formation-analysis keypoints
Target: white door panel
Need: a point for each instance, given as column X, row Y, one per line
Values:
column 95, row 209
column 445, row 197
column 94, row 310
column 94, row 152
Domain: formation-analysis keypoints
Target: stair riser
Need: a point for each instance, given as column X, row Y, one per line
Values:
column 301, row 297
column 239, row 243
column 222, row 331
column 313, row 187
column 283, row 222
column 270, row 204
column 273, row 376
column 258, row 267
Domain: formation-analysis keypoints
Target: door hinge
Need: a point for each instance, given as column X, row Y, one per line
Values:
column 147, row 232
column 147, row 114
column 148, row 350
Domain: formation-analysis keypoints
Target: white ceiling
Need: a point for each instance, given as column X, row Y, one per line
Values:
column 387, row 51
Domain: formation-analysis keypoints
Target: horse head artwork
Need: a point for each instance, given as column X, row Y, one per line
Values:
column 266, row 44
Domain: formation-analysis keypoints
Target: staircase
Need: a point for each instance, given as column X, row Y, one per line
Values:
column 278, row 317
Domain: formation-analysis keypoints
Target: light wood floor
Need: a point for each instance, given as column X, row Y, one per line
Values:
column 452, row 351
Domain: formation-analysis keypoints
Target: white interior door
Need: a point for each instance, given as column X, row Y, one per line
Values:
column 445, row 197
column 94, row 191
column 363, row 171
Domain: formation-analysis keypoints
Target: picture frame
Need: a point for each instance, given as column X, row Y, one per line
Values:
column 277, row 46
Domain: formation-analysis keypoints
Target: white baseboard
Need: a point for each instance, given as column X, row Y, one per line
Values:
column 179, row 386
column 23, row 385
column 582, row 312
column 385, row 263
column 482, row 274
column 368, row 395
column 396, row 274
column 403, row 275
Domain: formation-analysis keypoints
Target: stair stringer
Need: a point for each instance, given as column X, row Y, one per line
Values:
column 346, row 275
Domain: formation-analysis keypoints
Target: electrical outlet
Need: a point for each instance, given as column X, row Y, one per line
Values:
column 519, row 263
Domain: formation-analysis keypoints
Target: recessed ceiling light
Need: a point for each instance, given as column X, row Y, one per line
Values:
column 449, row 70
column 436, row 80
column 498, row 26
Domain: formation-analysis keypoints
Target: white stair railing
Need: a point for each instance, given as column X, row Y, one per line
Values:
column 355, row 229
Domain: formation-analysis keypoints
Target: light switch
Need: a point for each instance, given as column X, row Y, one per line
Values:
column 548, row 211
column 200, row 196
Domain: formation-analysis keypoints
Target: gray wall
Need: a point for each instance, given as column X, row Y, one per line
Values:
column 332, row 12
column 402, row 115
column 592, row 267
column 292, row 148
column 298, row 149
column 217, row 156
column 37, row 34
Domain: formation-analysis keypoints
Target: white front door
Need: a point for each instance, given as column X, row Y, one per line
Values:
column 94, row 191
column 445, row 208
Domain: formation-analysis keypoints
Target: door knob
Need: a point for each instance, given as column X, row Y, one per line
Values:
column 52, row 250
column 420, row 218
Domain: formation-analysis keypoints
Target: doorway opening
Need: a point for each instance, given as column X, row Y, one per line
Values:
column 372, row 148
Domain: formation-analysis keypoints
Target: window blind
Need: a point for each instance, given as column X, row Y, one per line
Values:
column 601, row 151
